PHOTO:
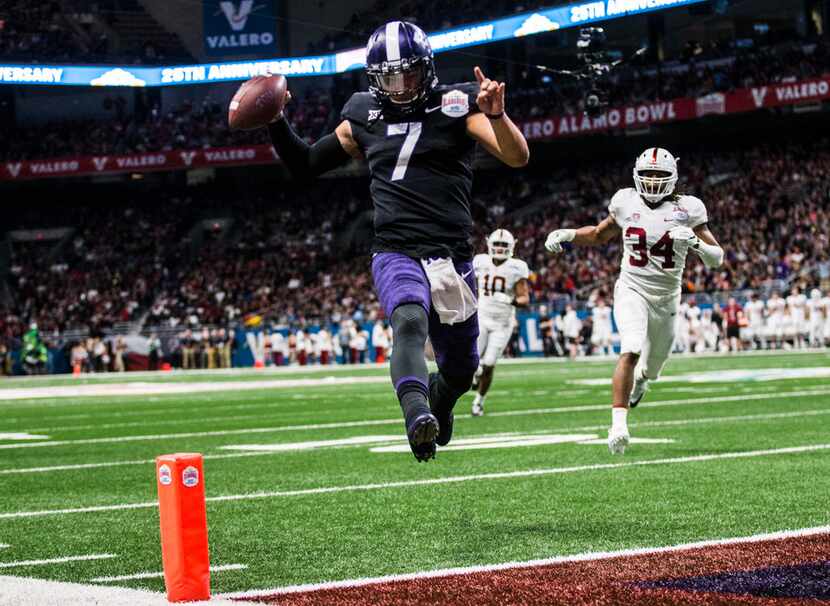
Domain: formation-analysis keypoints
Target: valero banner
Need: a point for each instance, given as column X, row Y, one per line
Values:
column 239, row 27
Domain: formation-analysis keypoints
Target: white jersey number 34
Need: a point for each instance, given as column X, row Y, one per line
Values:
column 663, row 248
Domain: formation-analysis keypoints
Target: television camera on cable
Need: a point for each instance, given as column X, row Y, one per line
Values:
column 597, row 65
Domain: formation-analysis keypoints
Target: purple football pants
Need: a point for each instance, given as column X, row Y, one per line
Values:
column 400, row 279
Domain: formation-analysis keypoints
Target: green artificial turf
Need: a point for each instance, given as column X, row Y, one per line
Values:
column 376, row 530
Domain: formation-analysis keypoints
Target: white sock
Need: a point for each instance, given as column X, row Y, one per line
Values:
column 479, row 400
column 619, row 417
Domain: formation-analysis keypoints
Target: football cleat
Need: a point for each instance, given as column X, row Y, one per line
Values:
column 421, row 434
column 618, row 439
column 639, row 389
column 441, row 410
column 478, row 407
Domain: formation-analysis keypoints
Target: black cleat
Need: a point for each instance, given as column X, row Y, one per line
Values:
column 441, row 411
column 421, row 434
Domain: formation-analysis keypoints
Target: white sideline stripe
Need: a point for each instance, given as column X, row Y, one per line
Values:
column 24, row 591
column 268, row 451
column 527, row 473
column 506, row 413
column 580, row 557
column 83, row 558
column 162, row 388
column 4, row 545
column 347, row 369
column 156, row 575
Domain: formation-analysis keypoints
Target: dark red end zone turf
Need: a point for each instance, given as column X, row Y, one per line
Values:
column 780, row 572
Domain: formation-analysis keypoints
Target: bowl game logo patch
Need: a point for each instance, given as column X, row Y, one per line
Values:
column 165, row 477
column 190, row 476
column 455, row 104
column 680, row 215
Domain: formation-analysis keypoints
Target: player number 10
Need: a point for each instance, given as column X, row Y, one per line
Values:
column 496, row 284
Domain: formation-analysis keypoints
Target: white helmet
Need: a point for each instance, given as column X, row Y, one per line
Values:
column 500, row 244
column 655, row 160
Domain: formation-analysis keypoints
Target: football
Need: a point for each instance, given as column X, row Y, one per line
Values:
column 257, row 102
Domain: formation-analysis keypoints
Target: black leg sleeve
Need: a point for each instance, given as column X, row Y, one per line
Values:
column 409, row 330
column 305, row 161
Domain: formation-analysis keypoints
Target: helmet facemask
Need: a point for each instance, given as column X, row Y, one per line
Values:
column 402, row 85
column 654, row 184
column 500, row 245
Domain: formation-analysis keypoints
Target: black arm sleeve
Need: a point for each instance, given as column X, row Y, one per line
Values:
column 305, row 161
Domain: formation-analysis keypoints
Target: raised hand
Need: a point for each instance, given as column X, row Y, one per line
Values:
column 490, row 99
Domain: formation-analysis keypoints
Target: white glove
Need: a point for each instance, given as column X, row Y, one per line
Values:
column 684, row 239
column 503, row 297
column 555, row 239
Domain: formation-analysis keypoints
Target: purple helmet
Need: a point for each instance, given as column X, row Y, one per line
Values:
column 399, row 65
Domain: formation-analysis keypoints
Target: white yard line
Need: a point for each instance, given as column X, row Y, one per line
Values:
column 22, row 436
column 527, row 473
column 23, row 591
column 161, row 417
column 81, row 558
column 369, row 423
column 157, row 575
column 599, row 427
column 498, row 442
column 580, row 557
column 314, row 444
column 168, row 388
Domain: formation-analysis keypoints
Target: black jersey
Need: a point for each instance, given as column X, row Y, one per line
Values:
column 421, row 169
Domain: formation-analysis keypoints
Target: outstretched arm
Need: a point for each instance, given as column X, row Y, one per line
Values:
column 590, row 235
column 305, row 161
column 493, row 128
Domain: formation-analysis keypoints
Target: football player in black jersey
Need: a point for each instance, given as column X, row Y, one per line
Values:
column 419, row 139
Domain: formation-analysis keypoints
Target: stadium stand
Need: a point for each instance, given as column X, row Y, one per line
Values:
column 190, row 125
column 83, row 31
column 181, row 271
column 219, row 257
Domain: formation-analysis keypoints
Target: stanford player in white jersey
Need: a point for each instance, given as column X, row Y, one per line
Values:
column 502, row 285
column 601, row 335
column 816, row 319
column 658, row 229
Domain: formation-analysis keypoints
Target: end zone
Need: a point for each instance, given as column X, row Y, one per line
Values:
column 625, row 576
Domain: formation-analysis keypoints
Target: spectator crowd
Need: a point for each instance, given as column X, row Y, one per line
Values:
column 193, row 125
column 272, row 262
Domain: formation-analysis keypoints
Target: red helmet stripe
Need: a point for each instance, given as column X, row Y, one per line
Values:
column 654, row 158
